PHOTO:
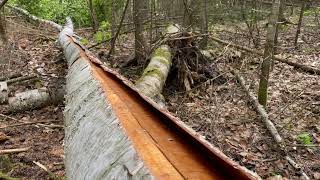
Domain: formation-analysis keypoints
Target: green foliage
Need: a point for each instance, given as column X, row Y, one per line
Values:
column 84, row 41
column 304, row 138
column 57, row 10
column 103, row 33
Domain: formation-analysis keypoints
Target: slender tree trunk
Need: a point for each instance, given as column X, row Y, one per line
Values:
column 269, row 52
column 303, row 5
column 113, row 19
column 204, row 24
column 3, row 23
column 140, row 45
column 93, row 15
column 114, row 38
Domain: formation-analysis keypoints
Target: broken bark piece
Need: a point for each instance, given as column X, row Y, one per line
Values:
column 4, row 92
column 33, row 99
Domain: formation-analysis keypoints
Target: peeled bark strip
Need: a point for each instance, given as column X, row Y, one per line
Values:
column 96, row 146
column 3, row 93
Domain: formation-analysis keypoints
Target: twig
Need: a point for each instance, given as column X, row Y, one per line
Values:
column 8, row 117
column 11, row 151
column 51, row 125
column 27, row 123
column 51, row 174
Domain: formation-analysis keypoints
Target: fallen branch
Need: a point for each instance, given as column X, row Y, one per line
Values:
column 270, row 126
column 27, row 123
column 11, row 76
column 11, row 151
column 35, row 18
column 19, row 79
column 303, row 67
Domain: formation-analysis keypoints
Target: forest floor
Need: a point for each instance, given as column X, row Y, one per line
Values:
column 220, row 112
column 32, row 50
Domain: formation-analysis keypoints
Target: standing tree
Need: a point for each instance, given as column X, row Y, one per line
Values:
column 140, row 43
column 269, row 51
column 2, row 23
column 93, row 15
column 204, row 23
column 303, row 5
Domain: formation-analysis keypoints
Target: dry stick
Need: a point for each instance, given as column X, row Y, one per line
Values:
column 11, row 76
column 303, row 67
column 113, row 40
column 270, row 126
column 8, row 117
column 19, row 79
column 27, row 123
column 10, row 151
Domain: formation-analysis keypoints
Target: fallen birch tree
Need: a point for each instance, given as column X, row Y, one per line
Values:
column 96, row 146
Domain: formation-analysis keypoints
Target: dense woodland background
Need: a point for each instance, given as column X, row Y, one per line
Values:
column 244, row 73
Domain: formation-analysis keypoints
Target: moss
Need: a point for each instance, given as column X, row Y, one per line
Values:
column 5, row 163
column 153, row 72
column 164, row 61
column 162, row 51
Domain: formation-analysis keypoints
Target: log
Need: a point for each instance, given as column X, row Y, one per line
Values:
column 34, row 99
column 96, row 146
column 4, row 93
column 153, row 78
column 308, row 69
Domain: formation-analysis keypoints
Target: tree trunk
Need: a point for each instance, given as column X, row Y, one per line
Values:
column 140, row 44
column 204, row 23
column 154, row 76
column 3, row 28
column 93, row 15
column 303, row 5
column 269, row 52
